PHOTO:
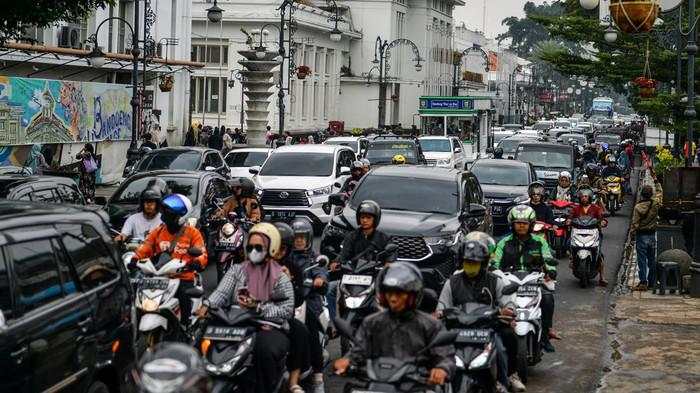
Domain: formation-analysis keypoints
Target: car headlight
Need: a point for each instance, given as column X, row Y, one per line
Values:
column 523, row 199
column 447, row 239
column 481, row 360
column 319, row 191
column 444, row 162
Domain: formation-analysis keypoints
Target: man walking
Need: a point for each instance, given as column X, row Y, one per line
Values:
column 643, row 228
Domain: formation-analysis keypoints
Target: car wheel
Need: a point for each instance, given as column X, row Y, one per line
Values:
column 98, row 387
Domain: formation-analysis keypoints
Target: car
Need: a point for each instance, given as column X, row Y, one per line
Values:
column 48, row 189
column 512, row 127
column 383, row 148
column 613, row 140
column 567, row 138
column 543, row 125
column 548, row 159
column 498, row 135
column 241, row 160
column 511, row 143
column 15, row 170
column 181, row 158
column 65, row 301
column 425, row 210
column 443, row 151
column 204, row 189
column 535, row 134
column 296, row 180
column 504, row 184
column 357, row 144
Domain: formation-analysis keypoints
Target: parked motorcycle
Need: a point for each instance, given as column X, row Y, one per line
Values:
column 391, row 375
column 613, row 190
column 585, row 249
column 560, row 232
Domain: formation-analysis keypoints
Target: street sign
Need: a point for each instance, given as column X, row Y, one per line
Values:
column 148, row 99
column 447, row 103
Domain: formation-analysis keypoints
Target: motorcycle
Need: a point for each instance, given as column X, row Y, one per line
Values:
column 356, row 290
column 156, row 307
column 542, row 228
column 560, row 232
column 228, row 245
column 585, row 249
column 613, row 190
column 324, row 318
column 391, row 375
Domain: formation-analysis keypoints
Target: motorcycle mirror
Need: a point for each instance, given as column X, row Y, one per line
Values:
column 344, row 328
column 510, row 289
column 194, row 251
column 322, row 261
column 442, row 338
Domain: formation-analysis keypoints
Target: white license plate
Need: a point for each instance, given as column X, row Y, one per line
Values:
column 351, row 279
column 224, row 333
column 155, row 284
column 496, row 209
column 282, row 215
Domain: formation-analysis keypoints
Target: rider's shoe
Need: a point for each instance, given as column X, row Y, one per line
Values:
column 547, row 345
column 516, row 385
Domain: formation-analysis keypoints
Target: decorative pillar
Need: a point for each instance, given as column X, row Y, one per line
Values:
column 258, row 79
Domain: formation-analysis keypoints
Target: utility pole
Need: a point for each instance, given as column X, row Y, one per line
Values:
column 692, row 49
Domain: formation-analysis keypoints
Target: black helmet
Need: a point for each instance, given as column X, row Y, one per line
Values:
column 150, row 194
column 401, row 276
column 286, row 234
column 473, row 250
column 172, row 368
column 303, row 227
column 369, row 207
column 247, row 186
column 498, row 152
column 535, row 187
column 591, row 169
column 160, row 185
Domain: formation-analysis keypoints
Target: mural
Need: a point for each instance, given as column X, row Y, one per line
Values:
column 52, row 111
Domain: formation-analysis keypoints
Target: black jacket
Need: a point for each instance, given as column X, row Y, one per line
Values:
column 355, row 243
column 544, row 212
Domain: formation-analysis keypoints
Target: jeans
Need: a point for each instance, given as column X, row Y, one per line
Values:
column 332, row 298
column 502, row 361
column 547, row 306
column 646, row 258
column 299, row 354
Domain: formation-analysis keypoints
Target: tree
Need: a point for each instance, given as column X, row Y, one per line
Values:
column 525, row 33
column 18, row 14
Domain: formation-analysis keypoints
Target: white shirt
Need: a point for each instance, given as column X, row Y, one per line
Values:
column 137, row 226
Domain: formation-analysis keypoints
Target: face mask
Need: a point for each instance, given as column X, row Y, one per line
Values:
column 256, row 256
column 471, row 269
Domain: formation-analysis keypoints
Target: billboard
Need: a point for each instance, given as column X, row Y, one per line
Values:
column 53, row 111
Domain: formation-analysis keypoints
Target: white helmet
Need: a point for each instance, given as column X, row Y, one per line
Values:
column 565, row 174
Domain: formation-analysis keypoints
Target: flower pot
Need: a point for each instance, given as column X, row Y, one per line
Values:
column 647, row 92
column 634, row 16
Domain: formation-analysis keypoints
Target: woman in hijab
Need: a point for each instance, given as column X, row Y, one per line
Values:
column 228, row 144
column 259, row 284
column 35, row 160
column 88, row 171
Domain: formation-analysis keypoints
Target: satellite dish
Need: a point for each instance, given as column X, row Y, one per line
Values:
column 669, row 5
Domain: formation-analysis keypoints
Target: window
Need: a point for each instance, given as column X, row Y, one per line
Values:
column 317, row 62
column 217, row 189
column 326, row 98
column 330, row 62
column 212, row 96
column 121, row 34
column 89, row 256
column 304, row 100
column 5, row 292
column 37, row 273
column 345, row 159
column 49, row 195
column 315, row 98
column 213, row 159
column 70, row 195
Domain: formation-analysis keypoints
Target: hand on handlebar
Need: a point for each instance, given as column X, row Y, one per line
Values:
column 438, row 376
column 341, row 366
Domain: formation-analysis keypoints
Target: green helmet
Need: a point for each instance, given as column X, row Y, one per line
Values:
column 482, row 238
column 522, row 213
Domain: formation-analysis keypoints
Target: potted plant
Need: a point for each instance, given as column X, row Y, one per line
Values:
column 647, row 86
column 303, row 71
column 166, row 83
column 634, row 16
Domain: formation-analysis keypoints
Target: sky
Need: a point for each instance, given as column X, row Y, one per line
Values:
column 472, row 14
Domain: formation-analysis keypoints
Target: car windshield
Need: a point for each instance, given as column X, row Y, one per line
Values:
column 171, row 159
column 131, row 191
column 609, row 139
column 498, row 136
column 580, row 139
column 562, row 124
column 509, row 145
column 501, row 175
column 245, row 158
column 544, row 157
column 298, row 164
column 383, row 152
column 410, row 194
column 542, row 126
column 350, row 144
column 435, row 145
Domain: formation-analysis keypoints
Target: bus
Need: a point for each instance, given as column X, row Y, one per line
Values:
column 602, row 107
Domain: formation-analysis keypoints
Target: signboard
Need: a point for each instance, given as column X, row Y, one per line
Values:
column 52, row 111
column 148, row 99
column 493, row 61
column 447, row 103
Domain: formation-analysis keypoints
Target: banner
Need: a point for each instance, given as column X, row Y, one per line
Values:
column 493, row 61
column 53, row 111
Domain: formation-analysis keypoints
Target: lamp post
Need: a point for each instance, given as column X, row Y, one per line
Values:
column 96, row 58
column 498, row 94
column 238, row 76
column 336, row 34
column 382, row 50
column 457, row 64
column 691, row 49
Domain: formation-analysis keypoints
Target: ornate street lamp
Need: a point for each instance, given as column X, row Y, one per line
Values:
column 336, row 34
column 589, row 4
column 215, row 13
column 610, row 34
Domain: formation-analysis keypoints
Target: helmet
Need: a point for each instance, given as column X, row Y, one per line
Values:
column 150, row 194
column 565, row 174
column 247, row 186
column 585, row 191
column 286, row 235
column 522, row 213
column 483, row 238
column 473, row 250
column 160, row 185
column 271, row 233
column 591, row 169
column 612, row 159
column 172, row 368
column 365, row 162
column 356, row 165
column 604, row 146
column 369, row 207
column 535, row 188
column 303, row 227
column 177, row 204
column 401, row 276
column 498, row 152
column 398, row 159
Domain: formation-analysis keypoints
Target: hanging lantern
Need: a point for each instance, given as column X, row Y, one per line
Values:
column 166, row 83
column 634, row 16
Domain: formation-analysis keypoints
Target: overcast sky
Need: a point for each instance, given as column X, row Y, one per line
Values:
column 472, row 14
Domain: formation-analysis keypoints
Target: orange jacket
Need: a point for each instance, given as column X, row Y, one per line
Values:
column 160, row 237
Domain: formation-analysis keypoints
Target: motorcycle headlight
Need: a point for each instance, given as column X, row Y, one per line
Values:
column 583, row 254
column 459, row 362
column 149, row 305
column 523, row 199
column 353, row 302
column 319, row 191
column 481, row 360
column 446, row 239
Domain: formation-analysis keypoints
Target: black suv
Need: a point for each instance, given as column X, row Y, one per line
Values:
column 504, row 183
column 64, row 301
column 383, row 148
column 49, row 189
column 425, row 209
column 181, row 158
column 548, row 159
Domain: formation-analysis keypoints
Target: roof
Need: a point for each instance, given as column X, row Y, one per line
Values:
column 500, row 162
column 14, row 213
column 8, row 182
column 342, row 139
column 182, row 148
column 250, row 149
column 309, row 148
column 545, row 144
column 416, row 171
column 168, row 172
column 435, row 137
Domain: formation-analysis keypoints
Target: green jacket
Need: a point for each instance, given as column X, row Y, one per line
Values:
column 512, row 254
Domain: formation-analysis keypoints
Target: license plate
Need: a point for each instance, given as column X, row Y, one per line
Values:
column 223, row 333
column 351, row 279
column 522, row 315
column 528, row 290
column 496, row 209
column 154, row 284
column 474, row 336
column 282, row 215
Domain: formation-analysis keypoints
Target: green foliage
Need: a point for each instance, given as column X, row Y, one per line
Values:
column 43, row 13
column 525, row 33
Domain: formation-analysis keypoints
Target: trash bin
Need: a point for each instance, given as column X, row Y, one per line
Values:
column 694, row 289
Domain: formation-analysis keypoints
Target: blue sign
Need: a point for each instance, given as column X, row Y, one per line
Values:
column 447, row 103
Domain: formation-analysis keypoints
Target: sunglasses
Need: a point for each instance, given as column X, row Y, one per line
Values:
column 257, row 247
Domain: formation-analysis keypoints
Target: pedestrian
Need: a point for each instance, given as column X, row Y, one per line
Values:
column 35, row 160
column 227, row 144
column 269, row 137
column 147, row 141
column 204, row 136
column 311, row 140
column 288, row 139
column 237, row 137
column 189, row 137
column 643, row 230
column 88, row 171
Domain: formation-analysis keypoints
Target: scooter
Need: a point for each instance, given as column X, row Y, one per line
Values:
column 560, row 232
column 324, row 318
column 391, row 375
column 585, row 249
column 157, row 308
column 229, row 244
column 613, row 190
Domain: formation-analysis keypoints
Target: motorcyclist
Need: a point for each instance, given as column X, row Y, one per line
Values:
column 366, row 239
column 471, row 284
column 586, row 207
column 138, row 225
column 520, row 250
column 498, row 153
column 176, row 365
column 243, row 202
column 544, row 213
column 356, row 173
column 398, row 159
column 564, row 190
column 175, row 237
column 366, row 165
column 603, row 154
column 259, row 284
column 611, row 169
column 400, row 330
column 589, row 154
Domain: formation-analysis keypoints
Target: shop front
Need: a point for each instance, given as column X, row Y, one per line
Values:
column 466, row 117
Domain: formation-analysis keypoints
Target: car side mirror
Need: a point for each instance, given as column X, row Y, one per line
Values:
column 344, row 171
column 254, row 170
column 337, row 199
column 458, row 150
column 100, row 200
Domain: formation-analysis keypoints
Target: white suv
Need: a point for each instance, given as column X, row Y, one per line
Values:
column 295, row 181
column 443, row 151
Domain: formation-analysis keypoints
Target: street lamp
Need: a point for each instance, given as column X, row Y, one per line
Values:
column 336, row 34
column 261, row 50
column 214, row 13
column 457, row 64
column 96, row 57
column 589, row 4
column 238, row 75
column 610, row 34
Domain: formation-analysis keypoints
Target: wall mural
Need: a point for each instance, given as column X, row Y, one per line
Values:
column 52, row 111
